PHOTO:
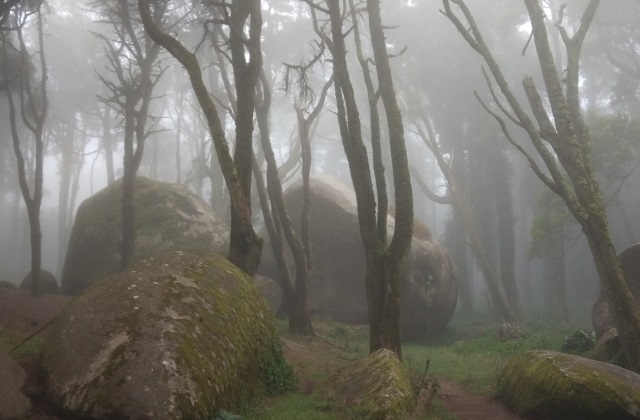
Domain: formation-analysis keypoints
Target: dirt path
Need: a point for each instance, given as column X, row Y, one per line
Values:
column 468, row 406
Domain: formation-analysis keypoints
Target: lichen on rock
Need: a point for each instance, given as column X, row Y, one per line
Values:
column 377, row 385
column 546, row 384
column 175, row 336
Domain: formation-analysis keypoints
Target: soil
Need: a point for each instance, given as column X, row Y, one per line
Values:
column 311, row 359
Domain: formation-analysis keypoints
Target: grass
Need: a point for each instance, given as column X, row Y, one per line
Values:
column 469, row 354
column 298, row 406
column 9, row 339
column 472, row 355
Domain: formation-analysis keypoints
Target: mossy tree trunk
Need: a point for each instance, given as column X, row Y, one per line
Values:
column 569, row 171
column 33, row 107
column 245, row 245
column 384, row 264
column 298, row 301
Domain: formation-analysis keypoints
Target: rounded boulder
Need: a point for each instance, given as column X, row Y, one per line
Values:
column 176, row 336
column 337, row 284
column 168, row 217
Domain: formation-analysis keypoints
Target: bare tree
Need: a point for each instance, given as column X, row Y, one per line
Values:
column 133, row 59
column 384, row 261
column 561, row 139
column 245, row 245
column 33, row 107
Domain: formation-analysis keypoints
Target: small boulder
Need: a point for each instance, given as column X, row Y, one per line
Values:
column 48, row 283
column 378, row 385
column 609, row 349
column 7, row 285
column 551, row 385
column 601, row 316
column 168, row 217
column 176, row 336
column 13, row 403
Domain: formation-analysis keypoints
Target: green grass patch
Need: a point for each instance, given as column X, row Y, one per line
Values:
column 9, row 339
column 472, row 355
column 298, row 406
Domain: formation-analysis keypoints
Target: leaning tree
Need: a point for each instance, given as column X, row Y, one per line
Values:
column 560, row 136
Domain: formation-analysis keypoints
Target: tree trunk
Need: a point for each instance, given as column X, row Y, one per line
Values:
column 299, row 315
column 245, row 245
column 400, row 244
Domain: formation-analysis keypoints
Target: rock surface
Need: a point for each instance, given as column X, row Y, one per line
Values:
column 378, row 385
column 608, row 348
column 13, row 403
column 48, row 283
column 168, row 217
column 177, row 336
column 601, row 316
column 550, row 385
column 338, row 264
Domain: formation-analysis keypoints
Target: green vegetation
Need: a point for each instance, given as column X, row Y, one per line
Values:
column 279, row 373
column 468, row 354
column 472, row 355
column 9, row 339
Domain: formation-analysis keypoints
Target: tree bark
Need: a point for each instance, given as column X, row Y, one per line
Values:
column 245, row 245
column 566, row 132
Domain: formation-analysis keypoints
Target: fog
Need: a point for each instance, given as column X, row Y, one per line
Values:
column 435, row 73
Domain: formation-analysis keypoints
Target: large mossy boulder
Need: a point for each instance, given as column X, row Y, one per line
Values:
column 168, row 217
column 48, row 283
column 601, row 316
column 550, row 385
column 377, row 385
column 176, row 336
column 337, row 286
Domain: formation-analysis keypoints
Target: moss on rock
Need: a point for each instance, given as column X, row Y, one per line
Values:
column 176, row 336
column 546, row 384
column 378, row 385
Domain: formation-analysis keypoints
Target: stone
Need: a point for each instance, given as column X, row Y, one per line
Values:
column 609, row 349
column 377, row 385
column 48, row 283
column 168, row 217
column 601, row 316
column 13, row 403
column 552, row 385
column 176, row 336
column 337, row 287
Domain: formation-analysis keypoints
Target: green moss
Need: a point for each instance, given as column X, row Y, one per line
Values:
column 378, row 385
column 243, row 330
column 555, row 385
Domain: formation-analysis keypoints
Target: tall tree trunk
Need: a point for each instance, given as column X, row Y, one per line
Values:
column 299, row 315
column 107, row 145
column 565, row 131
column 400, row 244
column 34, row 110
column 245, row 245
column 66, row 174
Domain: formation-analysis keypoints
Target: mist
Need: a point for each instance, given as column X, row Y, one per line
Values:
column 435, row 73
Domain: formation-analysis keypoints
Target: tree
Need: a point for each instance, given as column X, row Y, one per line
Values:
column 245, row 245
column 384, row 261
column 133, row 59
column 569, row 171
column 462, row 207
column 33, row 107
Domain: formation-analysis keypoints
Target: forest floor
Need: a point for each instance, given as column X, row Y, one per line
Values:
column 311, row 358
